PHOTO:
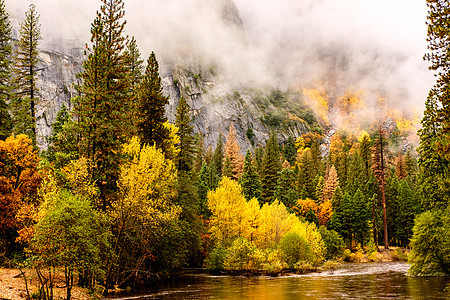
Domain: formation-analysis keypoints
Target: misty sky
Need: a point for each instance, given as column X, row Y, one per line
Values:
column 358, row 43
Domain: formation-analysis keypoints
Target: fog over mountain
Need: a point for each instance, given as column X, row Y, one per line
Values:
column 375, row 46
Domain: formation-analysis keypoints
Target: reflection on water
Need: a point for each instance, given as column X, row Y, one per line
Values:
column 352, row 281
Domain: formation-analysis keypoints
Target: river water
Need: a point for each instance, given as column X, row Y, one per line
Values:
column 351, row 281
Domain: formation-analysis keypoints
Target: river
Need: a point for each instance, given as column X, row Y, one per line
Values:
column 351, row 281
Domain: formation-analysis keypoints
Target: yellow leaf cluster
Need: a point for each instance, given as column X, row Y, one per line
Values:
column 232, row 215
column 146, row 184
column 318, row 102
column 273, row 223
column 172, row 148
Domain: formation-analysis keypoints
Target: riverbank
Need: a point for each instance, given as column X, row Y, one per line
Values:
column 12, row 286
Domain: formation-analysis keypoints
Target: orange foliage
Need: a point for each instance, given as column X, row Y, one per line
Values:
column 233, row 153
column 305, row 205
column 19, row 181
column 324, row 212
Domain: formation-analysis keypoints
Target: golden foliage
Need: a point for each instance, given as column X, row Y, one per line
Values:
column 19, row 182
column 171, row 146
column 147, row 185
column 318, row 102
column 274, row 222
column 232, row 216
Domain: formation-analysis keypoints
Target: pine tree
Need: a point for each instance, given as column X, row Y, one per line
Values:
column 199, row 157
column 270, row 168
column 249, row 180
column 330, row 185
column 134, row 63
column 289, row 151
column 366, row 153
column 25, row 72
column 400, row 167
column 151, row 106
column 103, row 109
column 57, row 129
column 233, row 152
column 378, row 168
column 183, row 122
column 5, row 73
column 218, row 156
column 286, row 191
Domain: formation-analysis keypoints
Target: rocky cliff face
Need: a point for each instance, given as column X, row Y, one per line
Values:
column 215, row 103
column 56, row 86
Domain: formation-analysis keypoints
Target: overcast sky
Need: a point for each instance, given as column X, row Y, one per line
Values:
column 374, row 44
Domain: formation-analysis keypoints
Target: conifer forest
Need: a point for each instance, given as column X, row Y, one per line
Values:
column 123, row 195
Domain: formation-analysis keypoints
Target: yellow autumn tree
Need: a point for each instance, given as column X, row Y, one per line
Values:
column 146, row 185
column 144, row 215
column 19, row 182
column 274, row 222
column 232, row 216
column 171, row 144
column 232, row 152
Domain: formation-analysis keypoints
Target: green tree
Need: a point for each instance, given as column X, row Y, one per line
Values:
column 5, row 73
column 103, row 108
column 183, row 122
column 218, row 155
column 430, row 254
column 150, row 108
column 286, row 191
column 249, row 180
column 289, row 151
column 72, row 235
column 270, row 168
column 25, row 72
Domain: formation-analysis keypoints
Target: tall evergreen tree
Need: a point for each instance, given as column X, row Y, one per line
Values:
column 289, row 151
column 103, row 109
column 183, row 122
column 233, row 152
column 378, row 168
column 151, row 106
column 270, row 168
column 25, row 72
column 249, row 180
column 5, row 73
column 218, row 156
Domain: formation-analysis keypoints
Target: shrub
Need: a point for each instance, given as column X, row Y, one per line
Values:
column 273, row 263
column 295, row 248
column 430, row 254
column 243, row 255
column 216, row 259
column 334, row 243
column 398, row 254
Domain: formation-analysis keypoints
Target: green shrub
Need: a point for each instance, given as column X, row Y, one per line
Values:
column 243, row 255
column 303, row 267
column 334, row 243
column 216, row 259
column 430, row 243
column 295, row 248
column 273, row 263
column 398, row 254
